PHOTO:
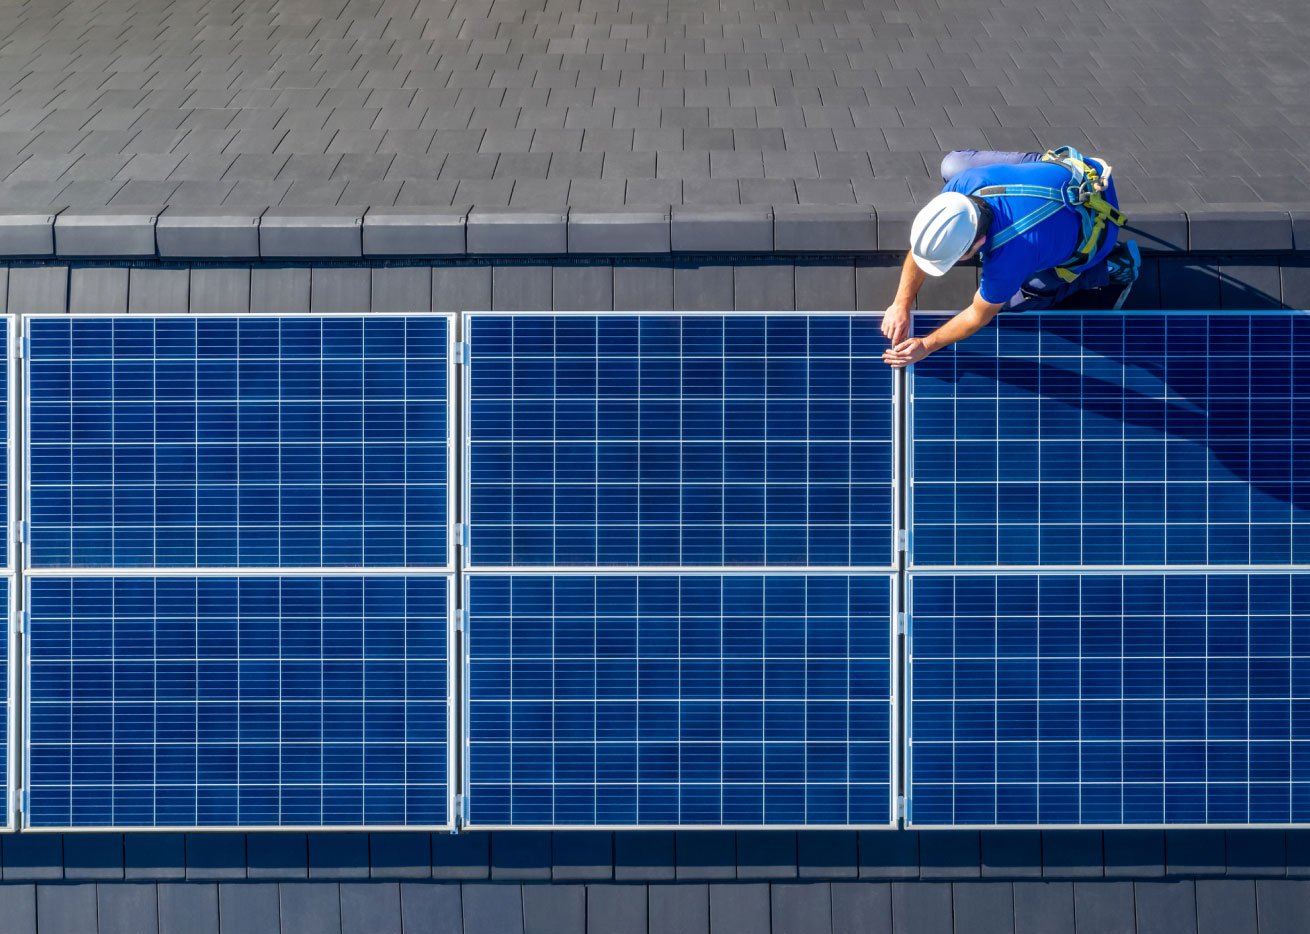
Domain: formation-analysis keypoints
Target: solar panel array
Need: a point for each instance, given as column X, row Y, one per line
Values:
column 679, row 576
column 688, row 694
column 290, row 459
column 1139, row 659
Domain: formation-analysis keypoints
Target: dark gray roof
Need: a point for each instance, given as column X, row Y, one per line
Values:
column 1182, row 906
column 609, row 103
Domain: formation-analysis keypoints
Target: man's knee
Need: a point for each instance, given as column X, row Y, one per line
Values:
column 961, row 159
column 1040, row 292
column 956, row 162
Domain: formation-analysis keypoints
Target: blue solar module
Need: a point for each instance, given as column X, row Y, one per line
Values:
column 5, row 686
column 1109, row 699
column 252, row 701
column 668, row 440
column 1108, row 439
column 238, row 442
column 688, row 700
column 4, row 442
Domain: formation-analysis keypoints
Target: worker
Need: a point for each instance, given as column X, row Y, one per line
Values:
column 1044, row 226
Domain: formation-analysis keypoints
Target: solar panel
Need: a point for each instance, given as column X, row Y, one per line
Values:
column 237, row 701
column 678, row 699
column 1108, row 439
column 663, row 440
column 7, row 686
column 235, row 442
column 1109, row 699
column 5, row 449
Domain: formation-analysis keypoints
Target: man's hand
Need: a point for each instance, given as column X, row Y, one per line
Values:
column 965, row 324
column 905, row 353
column 896, row 322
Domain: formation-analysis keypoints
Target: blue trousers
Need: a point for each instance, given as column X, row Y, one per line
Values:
column 1045, row 288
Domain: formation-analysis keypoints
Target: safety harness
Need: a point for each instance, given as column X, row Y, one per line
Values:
column 1084, row 195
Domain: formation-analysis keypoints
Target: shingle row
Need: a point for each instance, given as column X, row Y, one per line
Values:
column 181, row 233
column 1168, row 907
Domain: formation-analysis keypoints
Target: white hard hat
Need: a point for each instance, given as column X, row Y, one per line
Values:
column 943, row 232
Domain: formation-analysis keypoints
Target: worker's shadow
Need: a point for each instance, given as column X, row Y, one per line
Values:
column 1227, row 387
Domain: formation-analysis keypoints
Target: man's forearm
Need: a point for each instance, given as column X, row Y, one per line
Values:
column 965, row 324
column 912, row 278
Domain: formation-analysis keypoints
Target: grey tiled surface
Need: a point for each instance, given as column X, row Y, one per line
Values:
column 542, row 105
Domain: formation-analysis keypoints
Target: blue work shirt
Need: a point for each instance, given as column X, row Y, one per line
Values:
column 1045, row 246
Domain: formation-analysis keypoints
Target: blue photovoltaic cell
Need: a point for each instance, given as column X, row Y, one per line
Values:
column 237, row 701
column 699, row 440
column 1106, row 439
column 238, row 442
column 678, row 699
column 1110, row 699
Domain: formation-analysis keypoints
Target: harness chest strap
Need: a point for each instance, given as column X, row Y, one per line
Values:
column 1084, row 195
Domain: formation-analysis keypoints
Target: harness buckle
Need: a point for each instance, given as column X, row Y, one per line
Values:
column 1079, row 193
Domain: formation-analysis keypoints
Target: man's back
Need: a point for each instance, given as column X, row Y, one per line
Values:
column 1048, row 244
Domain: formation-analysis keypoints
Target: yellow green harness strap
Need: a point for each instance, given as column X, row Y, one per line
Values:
column 1084, row 195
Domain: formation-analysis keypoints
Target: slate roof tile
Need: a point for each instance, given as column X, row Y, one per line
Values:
column 591, row 193
column 257, row 192
column 715, row 191
column 654, row 191
column 739, row 908
column 825, row 191
column 522, row 165
column 769, row 191
column 89, row 193
column 137, row 192
column 45, row 168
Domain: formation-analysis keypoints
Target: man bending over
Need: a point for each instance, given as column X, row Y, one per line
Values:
column 1043, row 225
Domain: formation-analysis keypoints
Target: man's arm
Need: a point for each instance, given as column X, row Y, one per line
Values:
column 965, row 324
column 896, row 319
